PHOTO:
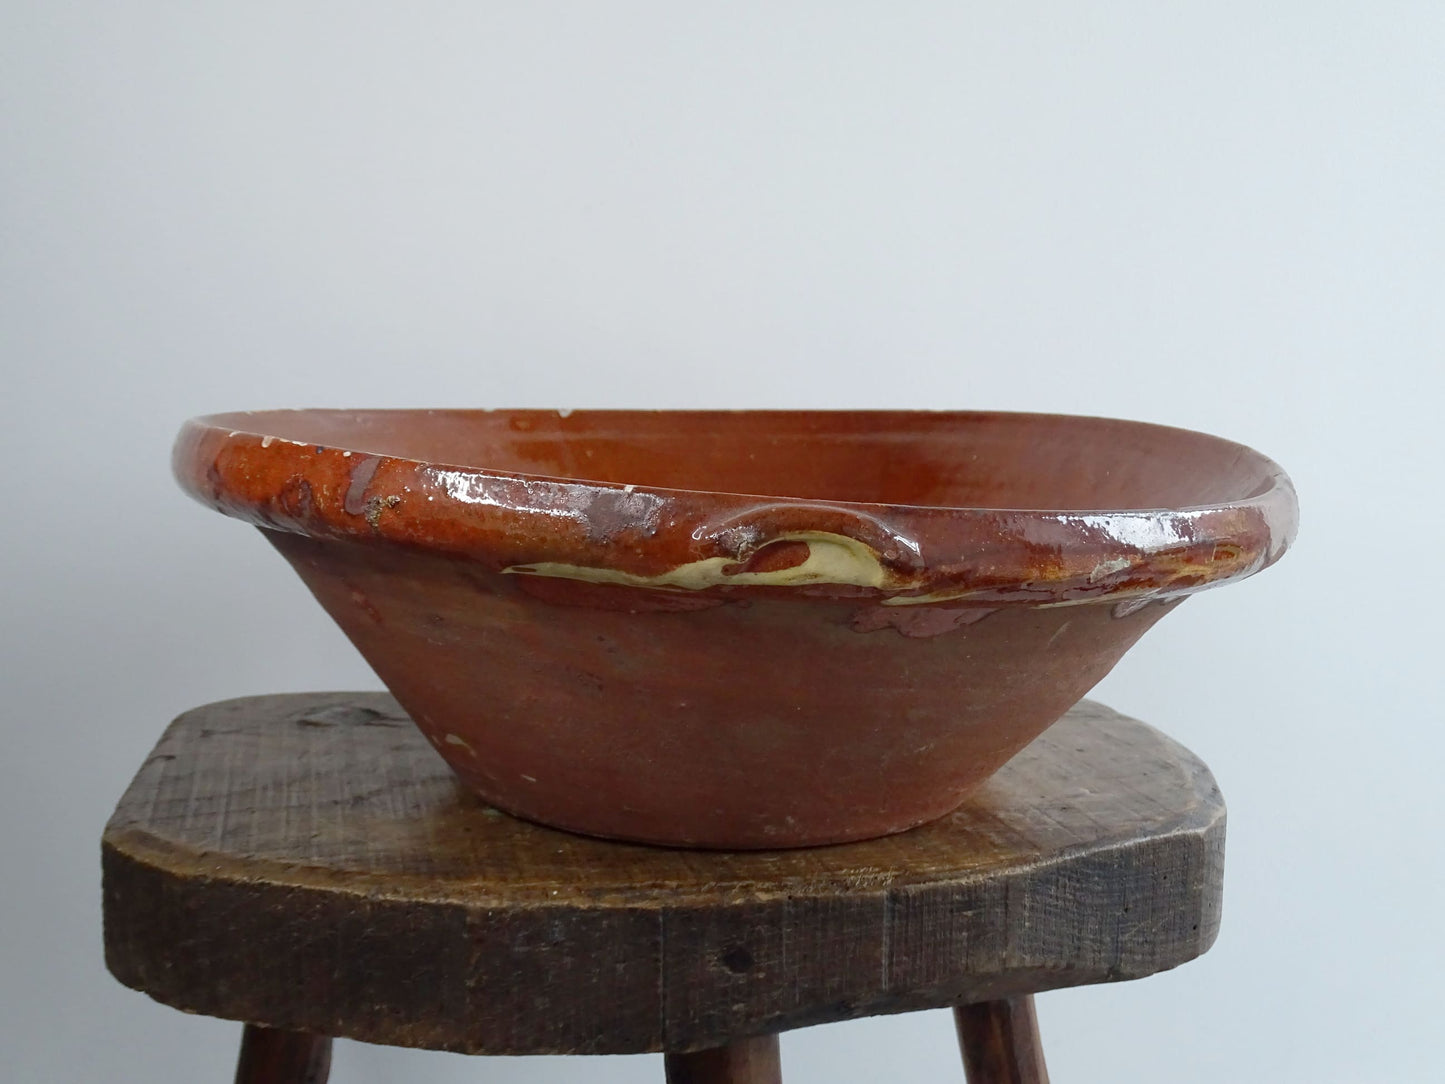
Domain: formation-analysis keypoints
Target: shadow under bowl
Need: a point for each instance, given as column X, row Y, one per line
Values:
column 741, row 629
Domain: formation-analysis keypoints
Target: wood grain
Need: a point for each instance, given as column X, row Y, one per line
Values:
column 1000, row 1042
column 307, row 862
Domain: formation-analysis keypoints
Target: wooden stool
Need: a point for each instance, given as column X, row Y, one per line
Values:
column 307, row 864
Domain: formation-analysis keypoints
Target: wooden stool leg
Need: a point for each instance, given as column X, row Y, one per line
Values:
column 269, row 1056
column 1000, row 1042
column 747, row 1061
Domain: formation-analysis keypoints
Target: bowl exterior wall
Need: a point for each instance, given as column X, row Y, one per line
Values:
column 708, row 719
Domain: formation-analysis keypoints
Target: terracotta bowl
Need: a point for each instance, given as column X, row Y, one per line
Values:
column 737, row 630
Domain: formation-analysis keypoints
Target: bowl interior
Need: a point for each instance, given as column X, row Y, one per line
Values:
column 963, row 460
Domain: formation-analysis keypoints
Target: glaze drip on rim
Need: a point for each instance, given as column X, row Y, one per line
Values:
column 914, row 507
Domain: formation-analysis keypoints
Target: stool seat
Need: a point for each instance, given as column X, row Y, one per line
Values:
column 308, row 863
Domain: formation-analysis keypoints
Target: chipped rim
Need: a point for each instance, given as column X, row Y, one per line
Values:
column 702, row 541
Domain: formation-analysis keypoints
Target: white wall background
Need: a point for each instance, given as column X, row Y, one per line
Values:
column 1226, row 216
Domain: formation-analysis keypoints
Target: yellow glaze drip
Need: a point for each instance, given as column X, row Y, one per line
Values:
column 832, row 558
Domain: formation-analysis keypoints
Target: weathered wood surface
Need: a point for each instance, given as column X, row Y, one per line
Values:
column 307, row 862
column 282, row 1057
column 747, row 1061
column 1000, row 1042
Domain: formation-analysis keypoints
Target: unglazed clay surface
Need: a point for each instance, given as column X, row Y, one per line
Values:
column 739, row 629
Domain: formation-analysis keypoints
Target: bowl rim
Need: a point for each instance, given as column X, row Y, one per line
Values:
column 229, row 461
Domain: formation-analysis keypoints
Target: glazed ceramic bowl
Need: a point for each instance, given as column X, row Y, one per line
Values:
column 736, row 630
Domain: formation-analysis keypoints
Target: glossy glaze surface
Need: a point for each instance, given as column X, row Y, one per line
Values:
column 739, row 629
